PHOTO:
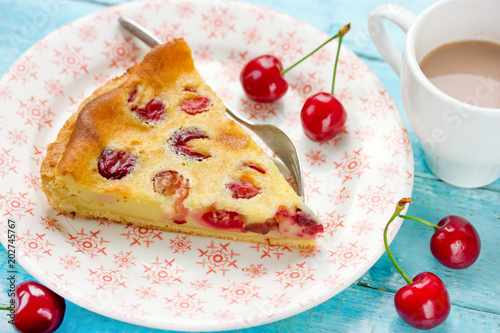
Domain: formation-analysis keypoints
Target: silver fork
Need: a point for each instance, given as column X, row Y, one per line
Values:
column 277, row 140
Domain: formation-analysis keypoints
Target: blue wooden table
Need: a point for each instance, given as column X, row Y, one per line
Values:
column 367, row 305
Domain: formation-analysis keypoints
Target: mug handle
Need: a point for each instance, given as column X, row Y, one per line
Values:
column 400, row 16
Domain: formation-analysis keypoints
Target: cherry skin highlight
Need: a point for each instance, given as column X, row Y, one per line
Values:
column 261, row 79
column 456, row 244
column 425, row 303
column 39, row 309
column 323, row 117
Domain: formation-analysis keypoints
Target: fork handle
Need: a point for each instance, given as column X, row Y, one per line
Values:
column 138, row 30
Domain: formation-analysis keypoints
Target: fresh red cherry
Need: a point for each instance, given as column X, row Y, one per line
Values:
column 323, row 117
column 425, row 303
column 38, row 309
column 456, row 244
column 262, row 80
column 262, row 77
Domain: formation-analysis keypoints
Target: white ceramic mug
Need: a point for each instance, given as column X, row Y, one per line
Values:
column 461, row 142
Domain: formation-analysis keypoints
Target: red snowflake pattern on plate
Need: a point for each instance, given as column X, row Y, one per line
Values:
column 39, row 154
column 339, row 197
column 351, row 165
column 390, row 170
column 180, row 244
column 121, row 51
column 163, row 272
column 16, row 204
column 307, row 85
column 59, row 280
column 295, row 275
column 351, row 67
column 377, row 104
column 365, row 133
column 184, row 305
column 224, row 316
column 24, row 70
column 344, row 95
column 252, row 36
column 18, row 137
column 107, row 15
column 107, row 279
column 348, row 254
column 310, row 253
column 87, row 33
column 5, row 94
column 71, row 61
column 315, row 158
column 133, row 311
column 203, row 54
column 218, row 23
column 140, row 236
column 88, row 243
column 200, row 284
column 34, row 245
column 70, row 262
column 170, row 31
column 333, row 281
column 233, row 65
column 312, row 184
column 8, row 163
column 33, row 182
column 36, row 113
column 376, row 198
column 218, row 258
column 240, row 293
column 185, row 9
column 363, row 227
column 50, row 224
column 255, row 271
column 54, row 87
column 124, row 259
column 255, row 110
column 322, row 58
column 398, row 142
column 271, row 251
column 146, row 293
column 287, row 46
column 332, row 223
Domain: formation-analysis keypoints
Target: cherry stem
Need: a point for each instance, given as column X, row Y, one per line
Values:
column 341, row 34
column 399, row 207
column 344, row 30
column 432, row 225
column 5, row 308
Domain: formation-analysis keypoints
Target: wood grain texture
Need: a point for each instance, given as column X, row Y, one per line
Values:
column 367, row 305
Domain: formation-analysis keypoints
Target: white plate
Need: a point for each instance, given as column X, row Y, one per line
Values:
column 178, row 282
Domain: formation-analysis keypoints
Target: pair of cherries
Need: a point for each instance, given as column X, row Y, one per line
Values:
column 424, row 303
column 323, row 116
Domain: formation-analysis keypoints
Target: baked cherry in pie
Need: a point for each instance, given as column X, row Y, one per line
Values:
column 154, row 148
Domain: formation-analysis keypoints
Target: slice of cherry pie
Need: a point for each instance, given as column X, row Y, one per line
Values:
column 155, row 148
